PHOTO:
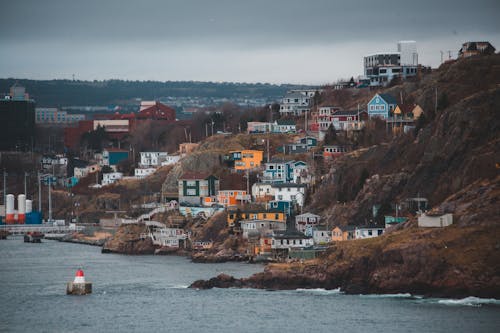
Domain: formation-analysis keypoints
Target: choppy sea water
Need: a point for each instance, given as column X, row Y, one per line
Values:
column 149, row 293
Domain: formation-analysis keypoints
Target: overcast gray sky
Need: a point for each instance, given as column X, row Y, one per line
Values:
column 277, row 41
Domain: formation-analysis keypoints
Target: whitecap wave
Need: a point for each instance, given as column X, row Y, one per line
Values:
column 401, row 295
column 320, row 291
column 178, row 286
column 470, row 301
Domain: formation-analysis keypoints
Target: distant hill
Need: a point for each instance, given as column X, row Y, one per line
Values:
column 57, row 93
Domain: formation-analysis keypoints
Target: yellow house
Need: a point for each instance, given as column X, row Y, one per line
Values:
column 343, row 233
column 246, row 159
column 255, row 215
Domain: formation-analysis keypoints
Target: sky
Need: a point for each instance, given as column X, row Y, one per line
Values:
column 275, row 41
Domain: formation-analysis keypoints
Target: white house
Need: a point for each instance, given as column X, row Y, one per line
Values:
column 289, row 240
column 435, row 221
column 368, row 232
column 302, row 221
column 295, row 103
column 163, row 236
column 170, row 159
column 290, row 192
column 143, row 172
column 260, row 227
column 321, row 236
column 110, row 178
column 152, row 158
column 284, row 126
column 84, row 171
column 262, row 191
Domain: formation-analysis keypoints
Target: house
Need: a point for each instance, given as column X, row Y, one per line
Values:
column 295, row 103
column 264, row 247
column 277, row 171
column 112, row 156
column 258, row 228
column 343, row 233
column 362, row 232
column 167, row 237
column 283, row 242
column 295, row 193
column 391, row 220
column 470, row 49
column 229, row 198
column 334, row 151
column 310, row 141
column 152, row 158
column 262, row 192
column 300, row 173
column 194, row 186
column 293, row 148
column 348, row 120
column 381, row 68
column 255, row 127
column 323, row 118
column 381, row 105
column 302, row 221
column 321, row 236
column 143, row 172
column 110, row 178
column 202, row 245
column 285, row 206
column 255, row 214
column 48, row 161
column 435, row 220
column 245, row 159
column 170, row 159
column 156, row 111
column 284, row 126
column 83, row 171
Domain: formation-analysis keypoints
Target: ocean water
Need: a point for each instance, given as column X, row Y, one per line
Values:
column 149, row 293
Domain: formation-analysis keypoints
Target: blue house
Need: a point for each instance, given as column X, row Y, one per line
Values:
column 278, row 171
column 310, row 141
column 381, row 105
column 281, row 205
column 113, row 156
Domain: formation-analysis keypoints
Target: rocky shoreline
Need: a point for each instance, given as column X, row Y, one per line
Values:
column 453, row 263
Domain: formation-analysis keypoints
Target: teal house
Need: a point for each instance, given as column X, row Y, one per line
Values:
column 381, row 105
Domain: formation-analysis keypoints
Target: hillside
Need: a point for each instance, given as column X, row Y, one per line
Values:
column 452, row 159
column 57, row 93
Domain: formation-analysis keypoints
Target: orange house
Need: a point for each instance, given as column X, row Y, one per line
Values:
column 256, row 215
column 246, row 159
column 343, row 233
column 229, row 198
column 264, row 246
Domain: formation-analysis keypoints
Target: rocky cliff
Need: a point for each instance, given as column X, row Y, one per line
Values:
column 452, row 158
column 127, row 240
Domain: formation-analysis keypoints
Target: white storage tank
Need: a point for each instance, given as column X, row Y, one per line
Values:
column 29, row 206
column 21, row 208
column 9, row 209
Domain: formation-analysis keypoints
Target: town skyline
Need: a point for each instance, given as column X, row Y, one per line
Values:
column 282, row 42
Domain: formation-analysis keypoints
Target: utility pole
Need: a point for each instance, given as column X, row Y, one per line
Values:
column 248, row 182
column 39, row 192
column 5, row 188
column 50, row 200
column 25, row 187
column 268, row 148
column 212, row 128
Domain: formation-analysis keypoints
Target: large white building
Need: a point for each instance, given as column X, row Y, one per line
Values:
column 382, row 67
column 295, row 193
column 54, row 116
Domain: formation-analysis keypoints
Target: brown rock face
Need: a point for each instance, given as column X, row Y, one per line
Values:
column 127, row 241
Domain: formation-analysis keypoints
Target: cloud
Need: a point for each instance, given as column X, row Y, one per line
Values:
column 259, row 40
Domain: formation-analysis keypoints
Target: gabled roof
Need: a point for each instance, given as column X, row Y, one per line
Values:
column 289, row 185
column 196, row 175
column 115, row 150
column 288, row 122
column 307, row 215
column 347, row 227
column 388, row 98
column 290, row 234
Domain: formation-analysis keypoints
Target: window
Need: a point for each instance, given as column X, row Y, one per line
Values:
column 276, row 216
column 370, row 233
